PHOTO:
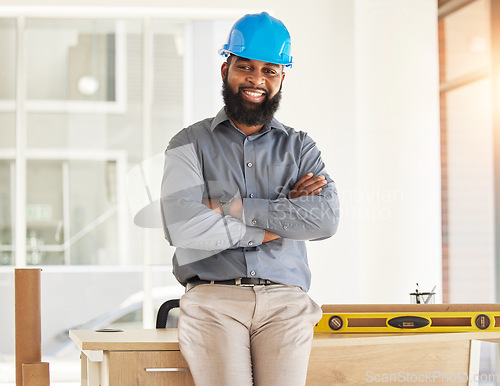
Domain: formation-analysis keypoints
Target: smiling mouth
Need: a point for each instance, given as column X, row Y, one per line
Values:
column 253, row 94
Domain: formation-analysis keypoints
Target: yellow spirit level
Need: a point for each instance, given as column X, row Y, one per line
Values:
column 409, row 318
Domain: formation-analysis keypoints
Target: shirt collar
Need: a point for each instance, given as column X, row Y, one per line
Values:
column 222, row 117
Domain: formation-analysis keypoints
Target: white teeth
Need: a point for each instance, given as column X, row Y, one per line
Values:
column 254, row 94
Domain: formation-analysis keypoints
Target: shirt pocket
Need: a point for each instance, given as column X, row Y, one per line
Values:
column 281, row 179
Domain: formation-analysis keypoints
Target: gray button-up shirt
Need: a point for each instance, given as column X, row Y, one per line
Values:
column 213, row 158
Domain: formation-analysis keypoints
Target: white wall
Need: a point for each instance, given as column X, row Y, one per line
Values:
column 398, row 144
column 319, row 97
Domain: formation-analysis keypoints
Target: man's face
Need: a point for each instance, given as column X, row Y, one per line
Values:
column 251, row 90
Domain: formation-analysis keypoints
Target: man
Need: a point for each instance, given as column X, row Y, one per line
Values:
column 240, row 194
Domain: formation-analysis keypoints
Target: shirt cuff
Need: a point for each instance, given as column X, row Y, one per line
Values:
column 252, row 237
column 255, row 212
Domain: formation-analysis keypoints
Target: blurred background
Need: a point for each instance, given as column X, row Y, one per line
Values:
column 400, row 97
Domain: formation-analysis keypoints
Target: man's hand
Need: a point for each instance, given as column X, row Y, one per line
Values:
column 308, row 186
column 235, row 209
column 270, row 236
column 212, row 204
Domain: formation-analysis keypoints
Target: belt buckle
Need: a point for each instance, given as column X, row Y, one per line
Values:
column 240, row 284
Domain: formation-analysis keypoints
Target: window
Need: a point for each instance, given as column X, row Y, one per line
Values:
column 85, row 98
column 8, row 134
column 467, row 153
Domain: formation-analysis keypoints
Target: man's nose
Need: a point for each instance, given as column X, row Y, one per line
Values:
column 255, row 77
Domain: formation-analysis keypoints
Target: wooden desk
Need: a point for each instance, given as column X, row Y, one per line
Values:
column 133, row 357
column 152, row 357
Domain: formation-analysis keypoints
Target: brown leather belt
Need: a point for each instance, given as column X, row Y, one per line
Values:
column 242, row 282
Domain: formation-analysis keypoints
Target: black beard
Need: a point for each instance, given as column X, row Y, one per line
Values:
column 260, row 114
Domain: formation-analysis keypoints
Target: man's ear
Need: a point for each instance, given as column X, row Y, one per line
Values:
column 283, row 76
column 223, row 70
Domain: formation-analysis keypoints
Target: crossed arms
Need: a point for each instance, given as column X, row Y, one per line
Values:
column 309, row 185
column 192, row 221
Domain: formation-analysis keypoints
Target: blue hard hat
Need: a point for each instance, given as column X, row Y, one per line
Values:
column 259, row 37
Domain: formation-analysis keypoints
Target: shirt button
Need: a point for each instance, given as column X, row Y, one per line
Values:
column 252, row 195
column 249, row 164
column 254, row 222
column 217, row 243
column 252, row 273
column 250, row 243
column 285, row 226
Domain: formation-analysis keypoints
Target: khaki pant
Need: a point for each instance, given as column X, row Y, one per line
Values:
column 244, row 336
